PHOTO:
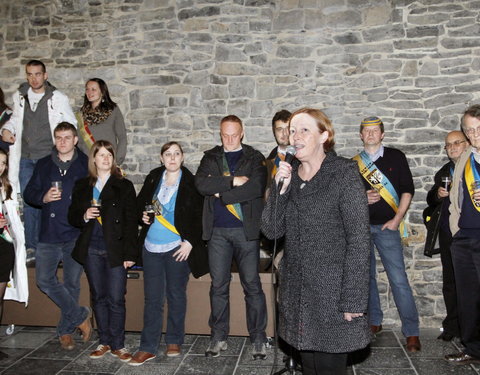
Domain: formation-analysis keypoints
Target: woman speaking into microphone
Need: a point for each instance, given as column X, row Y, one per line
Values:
column 322, row 211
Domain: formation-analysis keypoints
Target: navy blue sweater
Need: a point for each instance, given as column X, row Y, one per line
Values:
column 54, row 223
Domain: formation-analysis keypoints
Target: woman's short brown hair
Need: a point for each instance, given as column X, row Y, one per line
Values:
column 323, row 125
column 92, row 168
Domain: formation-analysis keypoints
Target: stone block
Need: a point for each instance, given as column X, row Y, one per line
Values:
column 445, row 81
column 450, row 123
column 428, row 19
column 239, row 107
column 386, row 32
column 208, row 11
column 294, row 67
column 290, row 20
column 152, row 80
column 424, row 135
column 241, row 87
column 451, row 63
column 235, row 69
column 15, row 33
column 348, row 38
column 214, row 92
column 229, row 53
column 260, row 25
column 429, row 68
column 196, row 78
column 384, row 65
column 179, row 122
column 263, row 109
column 424, row 31
column 409, row 124
column 216, row 107
column 446, row 100
column 455, row 43
column 409, row 44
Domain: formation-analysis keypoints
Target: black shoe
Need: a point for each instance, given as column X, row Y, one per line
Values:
column 445, row 336
column 461, row 359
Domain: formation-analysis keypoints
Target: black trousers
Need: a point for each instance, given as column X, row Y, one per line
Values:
column 319, row 363
column 466, row 261
column 450, row 323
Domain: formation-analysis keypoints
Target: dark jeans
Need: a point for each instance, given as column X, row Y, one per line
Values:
column 65, row 294
column 163, row 275
column 31, row 215
column 466, row 261
column 107, row 289
column 450, row 323
column 319, row 363
column 227, row 244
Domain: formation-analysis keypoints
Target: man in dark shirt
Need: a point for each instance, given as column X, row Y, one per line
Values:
column 65, row 165
column 232, row 178
column 465, row 226
column 438, row 199
column 390, row 189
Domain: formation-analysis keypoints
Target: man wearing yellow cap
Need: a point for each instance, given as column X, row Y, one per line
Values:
column 389, row 185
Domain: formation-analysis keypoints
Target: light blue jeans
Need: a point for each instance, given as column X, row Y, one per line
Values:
column 389, row 247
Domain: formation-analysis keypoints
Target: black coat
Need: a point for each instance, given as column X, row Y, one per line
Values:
column 119, row 220
column 210, row 180
column 434, row 211
column 187, row 216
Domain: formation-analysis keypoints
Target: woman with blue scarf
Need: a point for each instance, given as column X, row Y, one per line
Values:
column 172, row 247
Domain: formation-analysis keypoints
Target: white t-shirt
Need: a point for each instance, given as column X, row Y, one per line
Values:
column 34, row 98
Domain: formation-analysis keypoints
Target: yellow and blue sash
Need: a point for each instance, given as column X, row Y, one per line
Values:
column 235, row 208
column 159, row 209
column 96, row 196
column 471, row 175
column 380, row 183
column 276, row 163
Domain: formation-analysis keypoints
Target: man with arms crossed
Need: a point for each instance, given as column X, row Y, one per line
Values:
column 232, row 178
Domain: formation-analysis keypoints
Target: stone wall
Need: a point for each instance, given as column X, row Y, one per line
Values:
column 176, row 67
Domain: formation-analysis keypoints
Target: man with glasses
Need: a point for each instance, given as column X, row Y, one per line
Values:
column 438, row 200
column 465, row 248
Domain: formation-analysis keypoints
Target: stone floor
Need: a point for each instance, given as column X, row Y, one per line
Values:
column 35, row 350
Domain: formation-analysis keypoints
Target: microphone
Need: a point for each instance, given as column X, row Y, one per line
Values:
column 291, row 151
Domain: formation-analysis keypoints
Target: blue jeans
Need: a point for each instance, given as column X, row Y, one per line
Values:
column 108, row 286
column 31, row 215
column 389, row 247
column 224, row 245
column 65, row 295
column 163, row 275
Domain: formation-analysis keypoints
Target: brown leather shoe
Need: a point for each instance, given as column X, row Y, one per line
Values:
column 376, row 329
column 413, row 344
column 173, row 350
column 122, row 354
column 140, row 358
column 100, row 351
column 66, row 341
column 86, row 327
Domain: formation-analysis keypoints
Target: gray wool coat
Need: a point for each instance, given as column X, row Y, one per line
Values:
column 325, row 269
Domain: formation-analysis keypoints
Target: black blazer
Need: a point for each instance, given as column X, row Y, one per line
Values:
column 188, row 216
column 119, row 220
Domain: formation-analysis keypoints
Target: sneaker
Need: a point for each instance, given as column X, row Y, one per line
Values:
column 100, row 351
column 66, row 341
column 215, row 348
column 140, row 358
column 259, row 350
column 122, row 354
column 173, row 350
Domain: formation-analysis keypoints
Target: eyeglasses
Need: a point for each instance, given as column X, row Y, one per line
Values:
column 453, row 144
column 471, row 131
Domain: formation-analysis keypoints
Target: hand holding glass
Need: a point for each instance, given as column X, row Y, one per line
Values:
column 150, row 210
